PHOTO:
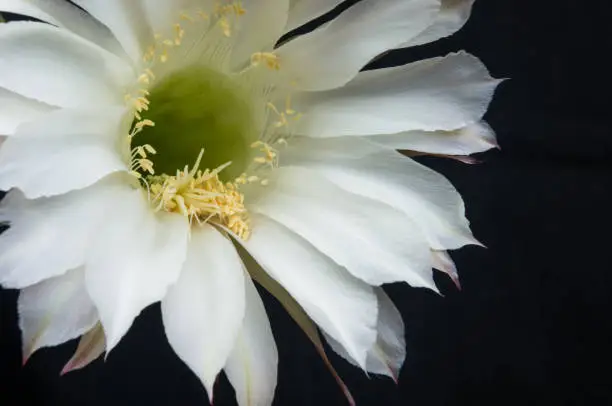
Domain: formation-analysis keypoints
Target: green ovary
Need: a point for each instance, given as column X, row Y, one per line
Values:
column 198, row 108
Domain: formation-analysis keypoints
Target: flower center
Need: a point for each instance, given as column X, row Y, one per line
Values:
column 198, row 108
column 200, row 130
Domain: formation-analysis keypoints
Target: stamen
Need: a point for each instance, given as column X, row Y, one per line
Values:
column 271, row 60
column 201, row 195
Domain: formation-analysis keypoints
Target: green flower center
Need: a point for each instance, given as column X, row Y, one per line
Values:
column 197, row 108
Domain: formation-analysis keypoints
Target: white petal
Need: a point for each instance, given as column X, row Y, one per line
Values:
column 252, row 365
column 203, row 311
column 51, row 235
column 54, row 66
column 375, row 242
column 126, row 20
column 388, row 353
column 385, row 175
column 63, row 151
column 91, row 346
column 163, row 15
column 339, row 303
column 452, row 16
column 297, row 313
column 16, row 109
column 474, row 138
column 332, row 55
column 259, row 28
column 442, row 261
column 445, row 93
column 134, row 259
column 303, row 11
column 65, row 15
column 55, row 311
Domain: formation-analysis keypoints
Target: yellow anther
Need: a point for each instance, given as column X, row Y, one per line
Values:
column 260, row 160
column 150, row 149
column 144, row 123
column 225, row 26
column 144, row 79
column 186, row 17
column 200, row 195
column 271, row 60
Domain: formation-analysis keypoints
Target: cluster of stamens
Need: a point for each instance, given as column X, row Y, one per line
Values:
column 201, row 195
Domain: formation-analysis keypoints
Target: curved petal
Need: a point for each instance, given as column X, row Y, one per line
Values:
column 340, row 304
column 56, row 67
column 331, row 56
column 445, row 93
column 303, row 11
column 91, row 346
column 296, row 312
column 259, row 28
column 252, row 365
column 51, row 235
column 133, row 261
column 375, row 242
column 55, row 311
column 163, row 15
column 452, row 16
column 384, row 175
column 387, row 355
column 16, row 109
column 442, row 261
column 126, row 20
column 203, row 311
column 474, row 138
column 63, row 151
column 65, row 15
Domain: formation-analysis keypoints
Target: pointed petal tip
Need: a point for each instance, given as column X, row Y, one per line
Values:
column 69, row 367
column 455, row 279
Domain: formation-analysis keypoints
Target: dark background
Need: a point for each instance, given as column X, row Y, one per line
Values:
column 532, row 325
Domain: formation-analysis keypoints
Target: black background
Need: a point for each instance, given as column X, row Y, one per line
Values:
column 532, row 324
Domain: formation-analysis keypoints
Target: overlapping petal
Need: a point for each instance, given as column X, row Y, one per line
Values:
column 72, row 148
column 55, row 311
column 474, row 138
column 339, row 303
column 384, row 175
column 137, row 257
column 49, row 236
column 452, row 16
column 203, row 312
column 439, row 94
column 126, row 20
column 60, row 68
column 332, row 55
column 375, row 242
column 252, row 365
column 387, row 355
column 16, row 109
column 63, row 14
column 303, row 11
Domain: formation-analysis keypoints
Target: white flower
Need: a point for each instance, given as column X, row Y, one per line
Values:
column 165, row 150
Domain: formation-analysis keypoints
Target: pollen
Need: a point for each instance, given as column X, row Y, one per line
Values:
column 271, row 60
column 202, row 197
